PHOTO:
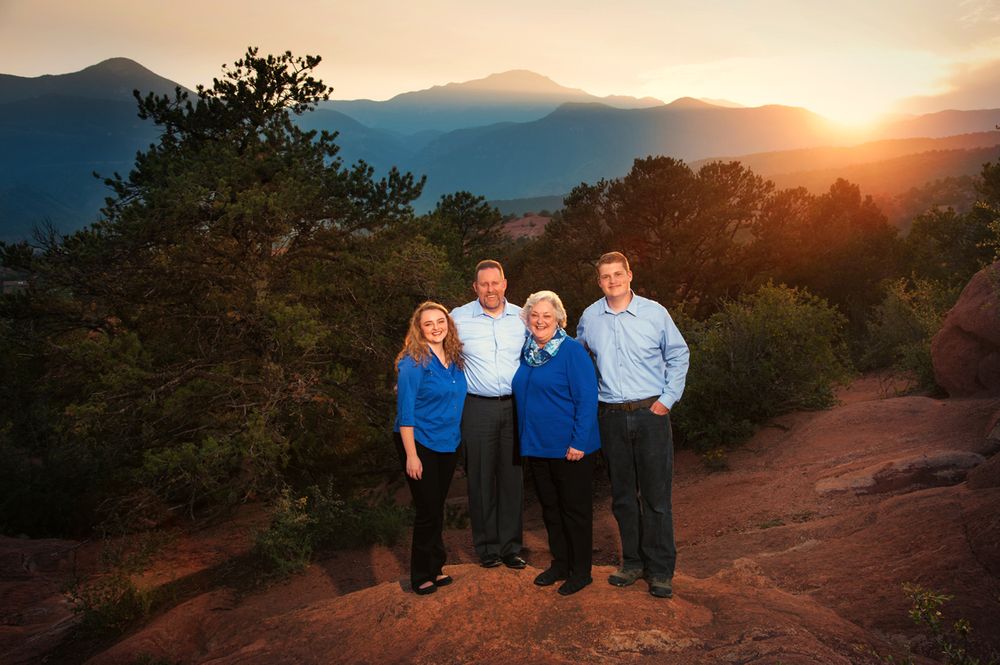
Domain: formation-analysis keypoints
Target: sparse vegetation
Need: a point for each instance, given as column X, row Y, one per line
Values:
column 715, row 460
column 110, row 603
column 903, row 325
column 954, row 643
column 320, row 520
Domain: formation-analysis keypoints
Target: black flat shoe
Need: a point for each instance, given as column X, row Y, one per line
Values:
column 443, row 581
column 573, row 585
column 514, row 561
column 423, row 591
column 549, row 577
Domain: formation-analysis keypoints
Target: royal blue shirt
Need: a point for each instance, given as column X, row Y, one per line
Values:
column 491, row 348
column 430, row 398
column 639, row 351
column 557, row 404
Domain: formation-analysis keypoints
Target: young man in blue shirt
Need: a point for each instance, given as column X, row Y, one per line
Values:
column 642, row 363
column 492, row 334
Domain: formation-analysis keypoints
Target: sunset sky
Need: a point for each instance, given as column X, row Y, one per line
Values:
column 849, row 59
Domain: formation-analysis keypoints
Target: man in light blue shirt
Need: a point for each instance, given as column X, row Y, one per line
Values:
column 642, row 362
column 492, row 334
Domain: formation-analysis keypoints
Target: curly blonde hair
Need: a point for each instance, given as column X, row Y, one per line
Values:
column 416, row 346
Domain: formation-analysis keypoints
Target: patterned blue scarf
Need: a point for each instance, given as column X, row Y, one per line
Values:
column 536, row 357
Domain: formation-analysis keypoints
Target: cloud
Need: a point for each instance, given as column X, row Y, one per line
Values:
column 967, row 87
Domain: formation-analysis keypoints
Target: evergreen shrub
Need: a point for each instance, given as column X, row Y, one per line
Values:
column 322, row 520
column 904, row 323
column 767, row 353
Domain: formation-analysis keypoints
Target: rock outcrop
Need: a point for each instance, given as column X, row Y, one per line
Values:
column 966, row 351
column 769, row 569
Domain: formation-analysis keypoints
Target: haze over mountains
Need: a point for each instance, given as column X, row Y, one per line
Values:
column 514, row 96
column 506, row 136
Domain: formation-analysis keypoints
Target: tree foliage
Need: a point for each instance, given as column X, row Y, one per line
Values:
column 228, row 326
column 467, row 228
column 231, row 319
column 688, row 233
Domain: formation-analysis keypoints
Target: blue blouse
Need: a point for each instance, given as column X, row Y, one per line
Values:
column 430, row 398
column 557, row 404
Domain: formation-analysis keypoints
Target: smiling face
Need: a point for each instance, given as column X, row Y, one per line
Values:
column 615, row 280
column 434, row 326
column 543, row 322
column 490, row 287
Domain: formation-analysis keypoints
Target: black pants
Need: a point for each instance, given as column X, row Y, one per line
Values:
column 496, row 484
column 427, row 553
column 565, row 490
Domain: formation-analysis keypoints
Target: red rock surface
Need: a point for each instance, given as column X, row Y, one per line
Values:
column 771, row 568
column 966, row 351
column 529, row 226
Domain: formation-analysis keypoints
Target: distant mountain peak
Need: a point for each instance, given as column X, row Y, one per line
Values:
column 517, row 80
column 689, row 103
column 725, row 103
column 114, row 78
column 119, row 67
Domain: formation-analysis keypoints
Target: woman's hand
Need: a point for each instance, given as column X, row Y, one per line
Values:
column 574, row 455
column 414, row 469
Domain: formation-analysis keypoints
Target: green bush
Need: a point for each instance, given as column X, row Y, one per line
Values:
column 765, row 354
column 322, row 520
column 954, row 643
column 345, row 523
column 903, row 324
column 286, row 546
column 109, row 604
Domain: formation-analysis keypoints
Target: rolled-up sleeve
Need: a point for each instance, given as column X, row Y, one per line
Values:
column 407, row 387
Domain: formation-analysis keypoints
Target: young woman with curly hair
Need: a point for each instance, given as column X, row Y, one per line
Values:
column 430, row 396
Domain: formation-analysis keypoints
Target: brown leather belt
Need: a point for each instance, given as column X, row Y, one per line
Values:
column 499, row 398
column 629, row 406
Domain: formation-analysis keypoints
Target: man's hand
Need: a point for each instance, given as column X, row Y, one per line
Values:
column 574, row 455
column 659, row 409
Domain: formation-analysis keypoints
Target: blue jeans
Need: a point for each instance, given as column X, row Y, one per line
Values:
column 639, row 448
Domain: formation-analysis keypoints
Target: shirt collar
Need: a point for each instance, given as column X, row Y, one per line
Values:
column 633, row 305
column 477, row 308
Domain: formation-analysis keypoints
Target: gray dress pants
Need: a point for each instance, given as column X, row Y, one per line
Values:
column 496, row 482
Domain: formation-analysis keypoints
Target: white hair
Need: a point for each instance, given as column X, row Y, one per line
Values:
column 552, row 299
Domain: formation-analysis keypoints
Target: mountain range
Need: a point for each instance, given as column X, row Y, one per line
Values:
column 514, row 96
column 507, row 136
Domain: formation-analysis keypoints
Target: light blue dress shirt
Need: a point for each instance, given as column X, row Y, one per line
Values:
column 639, row 351
column 491, row 347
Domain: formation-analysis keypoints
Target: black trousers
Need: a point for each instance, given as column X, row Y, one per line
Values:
column 565, row 490
column 496, row 484
column 427, row 553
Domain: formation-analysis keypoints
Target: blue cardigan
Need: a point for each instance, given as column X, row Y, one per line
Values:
column 557, row 404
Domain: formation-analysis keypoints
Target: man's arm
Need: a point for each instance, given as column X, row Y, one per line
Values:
column 676, row 359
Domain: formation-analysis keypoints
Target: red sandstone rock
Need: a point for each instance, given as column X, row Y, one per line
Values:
column 966, row 351
column 769, row 569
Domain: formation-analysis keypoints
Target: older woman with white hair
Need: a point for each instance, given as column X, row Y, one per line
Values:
column 555, row 390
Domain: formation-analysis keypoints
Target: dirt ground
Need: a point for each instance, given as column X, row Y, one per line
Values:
column 796, row 553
